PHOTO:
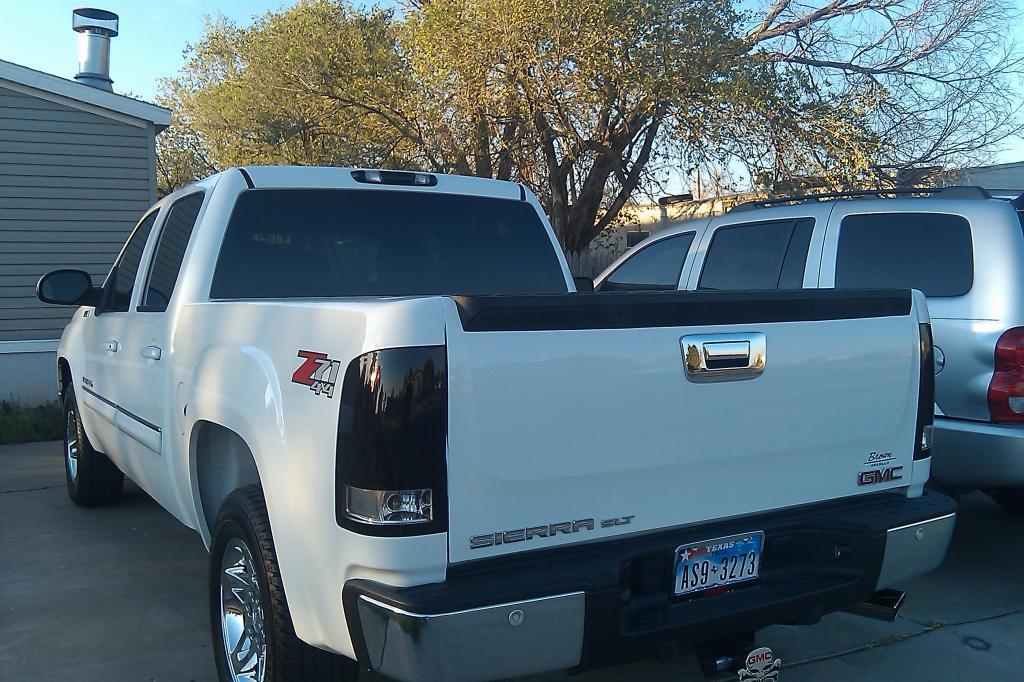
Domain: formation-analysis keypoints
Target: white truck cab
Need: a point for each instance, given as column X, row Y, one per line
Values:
column 408, row 442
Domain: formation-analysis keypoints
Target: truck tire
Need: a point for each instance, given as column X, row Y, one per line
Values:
column 253, row 637
column 91, row 477
column 1010, row 499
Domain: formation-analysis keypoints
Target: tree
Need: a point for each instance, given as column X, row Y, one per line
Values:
column 181, row 153
column 580, row 102
column 258, row 94
column 932, row 82
column 590, row 103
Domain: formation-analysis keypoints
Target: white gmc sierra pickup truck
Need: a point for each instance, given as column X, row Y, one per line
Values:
column 409, row 442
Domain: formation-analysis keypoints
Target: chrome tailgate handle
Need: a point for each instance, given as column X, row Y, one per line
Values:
column 723, row 357
column 726, row 354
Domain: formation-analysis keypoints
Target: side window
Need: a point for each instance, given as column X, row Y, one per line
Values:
column 792, row 276
column 170, row 250
column 121, row 280
column 927, row 251
column 654, row 268
column 753, row 256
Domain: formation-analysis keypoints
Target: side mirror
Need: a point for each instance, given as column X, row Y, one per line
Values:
column 68, row 287
column 584, row 285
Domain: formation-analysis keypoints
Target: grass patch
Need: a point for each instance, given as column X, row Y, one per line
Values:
column 30, row 424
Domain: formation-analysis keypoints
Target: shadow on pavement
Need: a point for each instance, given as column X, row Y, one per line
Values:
column 119, row 593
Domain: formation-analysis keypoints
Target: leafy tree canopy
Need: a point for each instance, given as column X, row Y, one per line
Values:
column 590, row 103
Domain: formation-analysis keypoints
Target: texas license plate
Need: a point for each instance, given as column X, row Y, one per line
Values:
column 719, row 562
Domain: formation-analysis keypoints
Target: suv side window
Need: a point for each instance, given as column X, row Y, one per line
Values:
column 932, row 252
column 170, row 250
column 653, row 268
column 121, row 280
column 753, row 256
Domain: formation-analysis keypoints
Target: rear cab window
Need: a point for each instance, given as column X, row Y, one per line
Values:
column 288, row 243
column 931, row 252
column 757, row 256
column 655, row 267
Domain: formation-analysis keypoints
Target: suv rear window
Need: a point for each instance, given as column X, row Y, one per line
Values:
column 931, row 252
column 286, row 243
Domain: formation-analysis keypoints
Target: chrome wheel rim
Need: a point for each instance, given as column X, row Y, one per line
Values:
column 71, row 444
column 241, row 614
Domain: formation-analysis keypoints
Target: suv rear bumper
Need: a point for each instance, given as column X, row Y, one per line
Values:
column 605, row 603
column 977, row 454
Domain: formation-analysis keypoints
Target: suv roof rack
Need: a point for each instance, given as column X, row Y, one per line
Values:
column 952, row 192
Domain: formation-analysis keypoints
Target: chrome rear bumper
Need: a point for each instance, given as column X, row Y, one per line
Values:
column 915, row 549
column 499, row 641
column 607, row 603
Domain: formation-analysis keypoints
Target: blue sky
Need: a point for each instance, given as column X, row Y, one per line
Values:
column 153, row 34
column 37, row 34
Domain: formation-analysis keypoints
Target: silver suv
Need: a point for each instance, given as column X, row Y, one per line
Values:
column 960, row 246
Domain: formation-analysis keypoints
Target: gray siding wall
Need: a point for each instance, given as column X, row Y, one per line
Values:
column 72, row 186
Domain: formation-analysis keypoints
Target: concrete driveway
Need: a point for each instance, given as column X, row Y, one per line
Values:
column 119, row 593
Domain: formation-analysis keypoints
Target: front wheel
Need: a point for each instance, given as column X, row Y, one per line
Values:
column 253, row 637
column 92, row 478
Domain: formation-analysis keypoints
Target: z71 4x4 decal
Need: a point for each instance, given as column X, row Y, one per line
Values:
column 318, row 372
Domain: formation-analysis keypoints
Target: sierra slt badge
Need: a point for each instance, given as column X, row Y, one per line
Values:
column 550, row 530
column 318, row 372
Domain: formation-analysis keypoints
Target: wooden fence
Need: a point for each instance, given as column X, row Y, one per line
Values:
column 591, row 262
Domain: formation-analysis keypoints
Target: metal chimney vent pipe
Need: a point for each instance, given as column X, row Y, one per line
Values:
column 95, row 28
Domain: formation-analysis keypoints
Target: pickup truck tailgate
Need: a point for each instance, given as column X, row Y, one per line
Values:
column 571, row 418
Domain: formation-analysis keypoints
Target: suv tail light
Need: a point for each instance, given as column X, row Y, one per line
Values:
column 1006, row 390
column 390, row 476
column 926, row 395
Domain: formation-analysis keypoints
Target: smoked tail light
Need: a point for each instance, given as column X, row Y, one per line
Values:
column 1006, row 389
column 926, row 395
column 390, row 476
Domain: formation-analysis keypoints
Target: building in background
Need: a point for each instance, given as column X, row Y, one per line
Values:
column 77, row 170
column 1002, row 179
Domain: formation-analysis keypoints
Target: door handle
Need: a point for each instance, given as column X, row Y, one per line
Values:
column 724, row 357
column 112, row 345
column 151, row 352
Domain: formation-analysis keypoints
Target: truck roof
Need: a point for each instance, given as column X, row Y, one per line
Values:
column 336, row 178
